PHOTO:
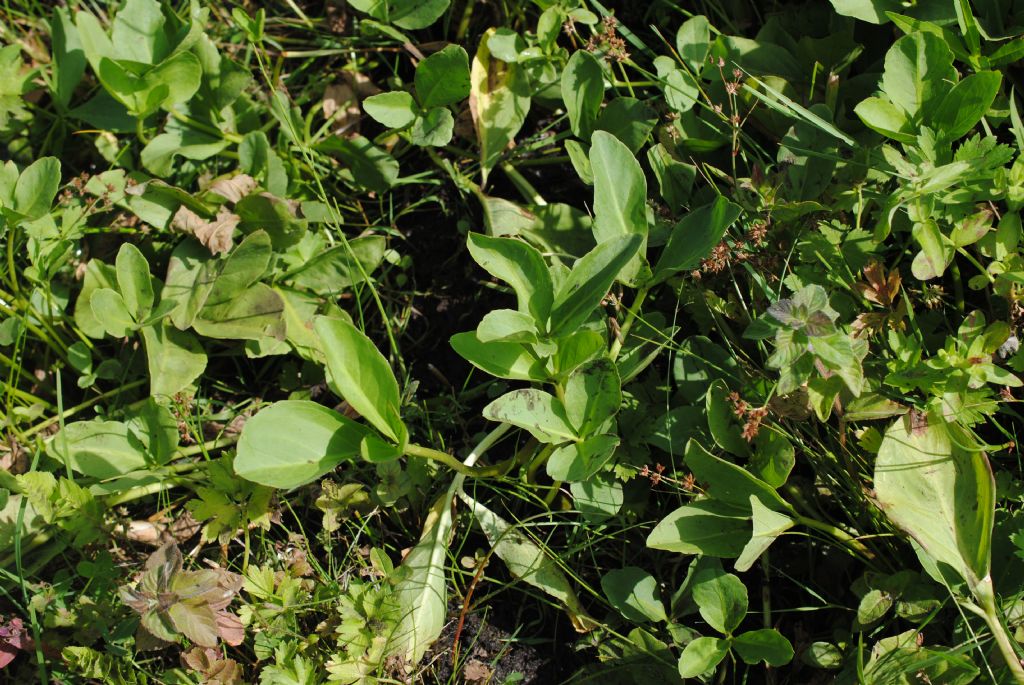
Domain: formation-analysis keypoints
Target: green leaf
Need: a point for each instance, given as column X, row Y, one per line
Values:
column 253, row 314
column 535, row 411
column 97, row 275
column 965, row 104
column 342, row 266
column 524, row 558
column 693, row 41
column 693, row 238
column 378, row 451
column 499, row 101
column 502, row 359
column 823, row 655
column 134, row 281
column 176, row 359
column 873, row 607
column 110, row 310
column 774, row 457
column 941, row 494
column 154, row 427
column 68, row 57
column 361, row 375
column 507, row 325
column 628, row 119
column 634, row 592
column 99, row 449
column 158, row 155
column 137, row 32
column 443, row 78
column 422, row 594
column 918, row 71
column 682, row 91
column 598, row 498
column 767, row 645
column 721, row 598
column 702, row 655
column 394, row 109
column 722, row 422
column 768, row 525
column 180, row 75
column 675, row 179
column 728, row 482
column 593, row 394
column 936, row 251
column 294, row 442
column 620, row 197
column 582, row 92
column 433, row 128
column 522, row 267
column 577, row 462
column 36, row 187
column 263, row 212
column 588, row 282
column 872, row 11
column 707, row 527
column 506, row 45
column 368, row 165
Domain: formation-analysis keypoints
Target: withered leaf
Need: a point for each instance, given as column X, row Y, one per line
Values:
column 216, row 235
column 235, row 188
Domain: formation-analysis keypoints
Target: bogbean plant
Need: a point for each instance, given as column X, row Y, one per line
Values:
column 760, row 359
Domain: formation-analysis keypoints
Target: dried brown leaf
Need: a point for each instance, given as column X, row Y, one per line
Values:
column 235, row 188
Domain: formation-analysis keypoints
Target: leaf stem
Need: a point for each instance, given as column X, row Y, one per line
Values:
column 634, row 308
column 465, row 468
column 524, row 187
column 839, row 534
column 986, row 596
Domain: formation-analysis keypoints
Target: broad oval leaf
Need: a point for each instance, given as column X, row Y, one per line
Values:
column 938, row 492
column 722, row 422
column 918, row 71
column 620, row 197
column 634, row 592
column 499, row 101
column 965, row 104
column 522, row 267
column 582, row 92
column 443, row 78
column 702, row 655
column 721, row 598
column 707, row 527
column 509, row 360
column 535, row 411
column 588, row 282
column 293, row 442
column 695, row 236
column 36, row 187
column 100, row 449
column 134, row 281
column 730, row 483
column 767, row 645
column 176, row 358
column 361, row 375
column 110, row 310
column 394, row 109
column 593, row 394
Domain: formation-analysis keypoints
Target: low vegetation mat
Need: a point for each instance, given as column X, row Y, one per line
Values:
column 511, row 341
